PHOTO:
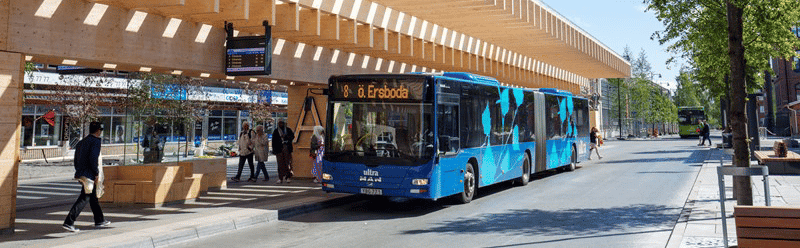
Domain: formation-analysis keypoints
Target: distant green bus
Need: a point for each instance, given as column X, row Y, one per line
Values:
column 689, row 121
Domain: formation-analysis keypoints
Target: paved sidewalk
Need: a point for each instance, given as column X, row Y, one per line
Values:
column 43, row 204
column 700, row 223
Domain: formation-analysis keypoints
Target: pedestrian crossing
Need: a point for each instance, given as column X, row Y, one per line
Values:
column 42, row 194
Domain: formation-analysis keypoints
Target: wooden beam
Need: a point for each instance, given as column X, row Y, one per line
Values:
column 230, row 10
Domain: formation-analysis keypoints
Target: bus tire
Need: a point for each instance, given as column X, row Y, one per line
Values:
column 526, row 172
column 573, row 161
column 470, row 184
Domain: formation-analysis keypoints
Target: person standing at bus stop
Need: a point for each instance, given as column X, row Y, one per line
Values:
column 317, row 150
column 282, row 139
column 593, row 144
column 87, row 171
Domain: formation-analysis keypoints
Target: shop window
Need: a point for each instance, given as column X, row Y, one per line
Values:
column 796, row 63
column 107, row 130
column 214, row 128
column 229, row 129
column 118, row 130
column 797, row 92
column 27, row 130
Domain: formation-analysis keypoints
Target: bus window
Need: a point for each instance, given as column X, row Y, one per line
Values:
column 553, row 119
column 448, row 128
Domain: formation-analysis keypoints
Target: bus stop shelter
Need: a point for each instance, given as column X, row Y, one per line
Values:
column 520, row 42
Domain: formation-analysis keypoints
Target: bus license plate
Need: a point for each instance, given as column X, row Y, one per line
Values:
column 368, row 191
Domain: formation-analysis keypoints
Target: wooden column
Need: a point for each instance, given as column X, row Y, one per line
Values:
column 12, row 70
column 301, row 162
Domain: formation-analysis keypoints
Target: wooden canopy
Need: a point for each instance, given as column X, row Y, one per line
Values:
column 520, row 42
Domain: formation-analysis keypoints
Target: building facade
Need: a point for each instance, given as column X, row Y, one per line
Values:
column 219, row 123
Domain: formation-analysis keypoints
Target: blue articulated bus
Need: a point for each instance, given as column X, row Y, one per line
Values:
column 436, row 135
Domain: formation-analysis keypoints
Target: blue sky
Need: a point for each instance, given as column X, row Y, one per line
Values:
column 618, row 23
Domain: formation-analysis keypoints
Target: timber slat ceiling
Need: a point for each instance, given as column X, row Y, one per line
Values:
column 517, row 41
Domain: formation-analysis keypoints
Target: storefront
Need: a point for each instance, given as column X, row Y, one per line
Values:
column 220, row 123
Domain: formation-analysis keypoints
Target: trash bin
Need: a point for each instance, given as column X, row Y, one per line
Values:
column 727, row 140
column 791, row 143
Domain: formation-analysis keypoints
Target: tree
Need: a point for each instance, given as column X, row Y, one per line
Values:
column 158, row 101
column 687, row 91
column 80, row 96
column 756, row 30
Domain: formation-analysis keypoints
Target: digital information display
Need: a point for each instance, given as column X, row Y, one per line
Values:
column 66, row 69
column 247, row 56
column 380, row 89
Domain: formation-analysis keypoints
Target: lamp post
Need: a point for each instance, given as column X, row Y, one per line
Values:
column 619, row 106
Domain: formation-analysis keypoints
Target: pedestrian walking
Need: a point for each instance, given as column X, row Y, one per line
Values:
column 317, row 150
column 89, row 173
column 246, row 149
column 593, row 143
column 705, row 132
column 282, row 139
column 261, row 152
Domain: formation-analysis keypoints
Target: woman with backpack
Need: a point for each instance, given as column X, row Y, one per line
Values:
column 245, row 151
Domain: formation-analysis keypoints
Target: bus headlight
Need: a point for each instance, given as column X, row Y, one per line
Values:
column 326, row 176
column 419, row 182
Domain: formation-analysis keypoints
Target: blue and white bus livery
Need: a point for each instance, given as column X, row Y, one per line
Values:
column 436, row 135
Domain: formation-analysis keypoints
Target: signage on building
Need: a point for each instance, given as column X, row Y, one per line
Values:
column 43, row 78
column 280, row 98
column 174, row 92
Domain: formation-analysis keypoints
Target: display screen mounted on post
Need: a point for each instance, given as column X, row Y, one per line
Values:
column 248, row 56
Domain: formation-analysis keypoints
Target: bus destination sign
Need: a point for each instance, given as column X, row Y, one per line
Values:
column 248, row 56
column 389, row 89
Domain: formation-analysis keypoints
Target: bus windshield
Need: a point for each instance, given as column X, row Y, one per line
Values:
column 380, row 132
column 690, row 117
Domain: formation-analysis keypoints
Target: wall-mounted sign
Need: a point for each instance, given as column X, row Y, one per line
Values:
column 248, row 56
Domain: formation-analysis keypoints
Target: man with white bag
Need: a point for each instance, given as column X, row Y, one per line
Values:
column 88, row 171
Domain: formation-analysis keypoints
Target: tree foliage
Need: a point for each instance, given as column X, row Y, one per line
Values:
column 750, row 33
column 695, row 31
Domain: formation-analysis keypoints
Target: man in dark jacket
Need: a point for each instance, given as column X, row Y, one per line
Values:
column 87, row 152
column 282, row 139
column 706, row 132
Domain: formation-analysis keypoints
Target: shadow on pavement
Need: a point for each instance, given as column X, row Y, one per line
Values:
column 385, row 208
column 696, row 158
column 575, row 222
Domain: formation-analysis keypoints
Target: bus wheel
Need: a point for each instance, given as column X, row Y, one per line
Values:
column 573, row 160
column 526, row 172
column 470, row 183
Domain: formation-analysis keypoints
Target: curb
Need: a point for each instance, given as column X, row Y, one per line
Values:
column 676, row 236
column 193, row 229
column 290, row 212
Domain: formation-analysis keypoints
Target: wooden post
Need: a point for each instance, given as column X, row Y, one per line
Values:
column 12, row 70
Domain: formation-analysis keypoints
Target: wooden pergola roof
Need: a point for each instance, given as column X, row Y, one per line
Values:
column 520, row 42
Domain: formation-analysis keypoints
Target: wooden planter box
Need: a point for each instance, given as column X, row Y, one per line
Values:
column 163, row 182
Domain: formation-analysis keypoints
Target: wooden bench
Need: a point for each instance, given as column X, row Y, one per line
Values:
column 164, row 182
column 773, row 227
column 779, row 165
